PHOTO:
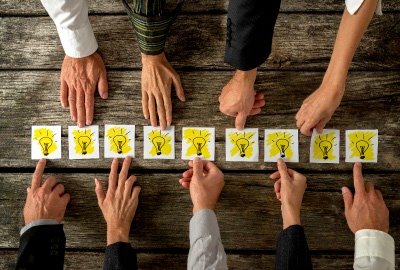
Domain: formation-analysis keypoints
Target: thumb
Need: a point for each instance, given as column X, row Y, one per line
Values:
column 282, row 168
column 178, row 88
column 197, row 167
column 103, row 85
column 99, row 192
column 347, row 198
column 240, row 120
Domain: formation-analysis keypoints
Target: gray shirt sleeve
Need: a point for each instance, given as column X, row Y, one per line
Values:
column 44, row 221
column 206, row 249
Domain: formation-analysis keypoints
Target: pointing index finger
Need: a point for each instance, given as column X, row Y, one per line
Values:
column 359, row 185
column 38, row 174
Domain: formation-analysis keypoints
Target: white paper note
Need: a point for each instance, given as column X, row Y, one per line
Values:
column 119, row 141
column 242, row 145
column 159, row 144
column 198, row 142
column 83, row 142
column 281, row 143
column 324, row 147
column 46, row 142
column 362, row 145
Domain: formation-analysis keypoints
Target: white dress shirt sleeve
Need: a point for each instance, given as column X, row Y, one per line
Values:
column 353, row 5
column 373, row 250
column 73, row 26
column 39, row 222
column 206, row 249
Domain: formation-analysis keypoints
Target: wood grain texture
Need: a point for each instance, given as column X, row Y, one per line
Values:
column 149, row 261
column 32, row 7
column 301, row 41
column 248, row 212
column 35, row 93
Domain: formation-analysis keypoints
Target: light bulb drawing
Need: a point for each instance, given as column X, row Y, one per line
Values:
column 119, row 140
column 325, row 147
column 361, row 144
column 362, row 147
column 242, row 143
column 84, row 141
column 282, row 145
column 45, row 138
column 158, row 143
column 197, row 142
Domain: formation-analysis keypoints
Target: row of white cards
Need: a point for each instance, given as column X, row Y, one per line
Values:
column 119, row 141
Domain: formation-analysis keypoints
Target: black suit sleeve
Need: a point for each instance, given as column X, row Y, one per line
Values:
column 250, row 27
column 42, row 247
column 292, row 250
column 120, row 256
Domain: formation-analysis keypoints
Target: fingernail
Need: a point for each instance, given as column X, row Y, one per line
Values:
column 88, row 122
column 105, row 95
column 280, row 161
column 73, row 118
column 344, row 190
column 95, row 181
column 196, row 160
column 81, row 124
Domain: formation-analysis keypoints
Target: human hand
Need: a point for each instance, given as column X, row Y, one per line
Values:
column 158, row 76
column 205, row 182
column 238, row 98
column 47, row 200
column 289, row 189
column 120, row 204
column 79, row 78
column 319, row 107
column 367, row 209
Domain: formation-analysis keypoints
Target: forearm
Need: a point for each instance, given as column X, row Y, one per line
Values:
column 351, row 30
column 73, row 26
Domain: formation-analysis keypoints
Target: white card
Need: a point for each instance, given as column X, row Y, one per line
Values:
column 159, row 144
column 362, row 145
column 242, row 145
column 83, row 142
column 119, row 141
column 324, row 147
column 198, row 142
column 46, row 142
column 281, row 143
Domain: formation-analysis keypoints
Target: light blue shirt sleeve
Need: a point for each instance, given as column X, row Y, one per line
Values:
column 206, row 249
column 374, row 250
column 39, row 222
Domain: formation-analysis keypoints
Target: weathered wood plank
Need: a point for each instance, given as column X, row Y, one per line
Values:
column 302, row 41
column 32, row 7
column 94, row 260
column 248, row 212
column 36, row 93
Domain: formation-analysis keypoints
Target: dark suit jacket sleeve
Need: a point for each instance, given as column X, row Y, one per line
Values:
column 42, row 247
column 120, row 256
column 250, row 27
column 292, row 250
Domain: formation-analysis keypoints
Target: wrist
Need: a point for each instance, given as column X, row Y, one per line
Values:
column 290, row 217
column 201, row 207
column 247, row 76
column 118, row 234
column 151, row 59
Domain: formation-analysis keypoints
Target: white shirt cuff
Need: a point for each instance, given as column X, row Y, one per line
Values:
column 353, row 5
column 39, row 222
column 203, row 223
column 78, row 43
column 374, row 243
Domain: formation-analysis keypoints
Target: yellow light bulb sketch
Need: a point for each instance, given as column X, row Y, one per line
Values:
column 119, row 140
column 280, row 144
column 242, row 144
column 84, row 143
column 361, row 145
column 323, row 146
column 161, row 143
column 198, row 141
column 45, row 138
column 158, row 143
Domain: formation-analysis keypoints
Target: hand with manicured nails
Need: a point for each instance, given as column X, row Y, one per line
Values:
column 158, row 76
column 205, row 182
column 120, row 204
column 366, row 209
column 239, row 99
column 47, row 200
column 289, row 190
column 79, row 79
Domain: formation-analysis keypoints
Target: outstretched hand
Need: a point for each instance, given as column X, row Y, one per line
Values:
column 366, row 209
column 239, row 99
column 205, row 182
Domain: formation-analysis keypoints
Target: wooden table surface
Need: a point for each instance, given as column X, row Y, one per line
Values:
column 248, row 213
